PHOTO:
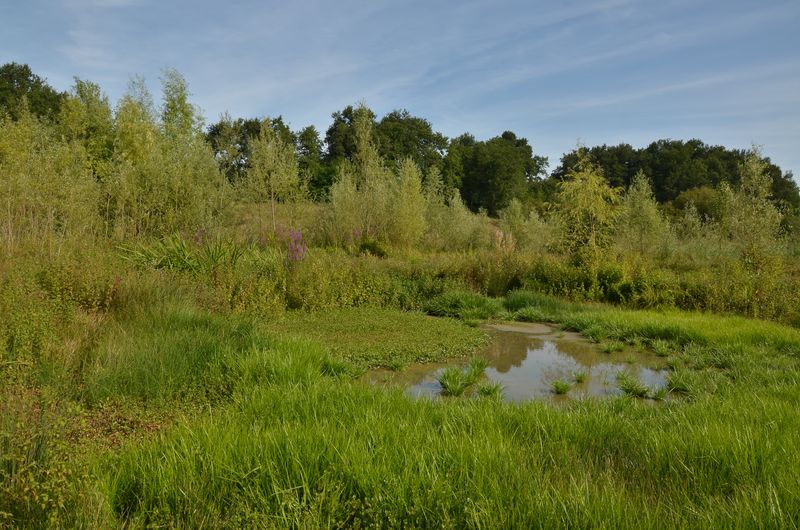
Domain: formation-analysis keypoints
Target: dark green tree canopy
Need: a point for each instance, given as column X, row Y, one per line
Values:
column 497, row 170
column 676, row 166
column 230, row 139
column 340, row 138
column 18, row 84
column 309, row 147
column 309, row 160
column 401, row 135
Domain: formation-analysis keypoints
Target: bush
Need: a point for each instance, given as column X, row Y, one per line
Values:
column 46, row 190
column 463, row 304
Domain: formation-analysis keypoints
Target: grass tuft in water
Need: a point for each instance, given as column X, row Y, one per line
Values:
column 660, row 393
column 631, row 386
column 561, row 387
column 579, row 377
column 677, row 381
column 475, row 370
column 613, row 346
column 490, row 390
column 595, row 333
column 455, row 380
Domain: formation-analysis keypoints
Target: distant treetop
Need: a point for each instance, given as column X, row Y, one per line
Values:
column 19, row 87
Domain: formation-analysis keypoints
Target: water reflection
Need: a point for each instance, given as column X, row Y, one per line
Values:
column 527, row 364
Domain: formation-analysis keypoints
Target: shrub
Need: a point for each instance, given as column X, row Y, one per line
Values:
column 46, row 188
column 462, row 304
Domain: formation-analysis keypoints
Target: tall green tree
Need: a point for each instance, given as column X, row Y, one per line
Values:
column 20, row 88
column 401, row 135
column 362, row 197
column 86, row 117
column 453, row 162
column 748, row 218
column 641, row 230
column 273, row 174
column 408, row 213
column 497, row 171
column 310, row 161
column 179, row 118
column 165, row 177
column 230, row 140
column 586, row 212
column 340, row 138
column 675, row 166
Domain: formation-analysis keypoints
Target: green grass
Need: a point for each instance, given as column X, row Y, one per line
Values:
column 371, row 337
column 285, row 436
column 456, row 380
column 631, row 386
column 325, row 452
column 475, row 369
column 660, row 347
column 660, row 394
column 453, row 381
column 580, row 377
column 490, row 390
column 613, row 346
column 561, row 387
column 170, row 352
column 463, row 304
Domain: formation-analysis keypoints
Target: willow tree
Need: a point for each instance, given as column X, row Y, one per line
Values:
column 748, row 217
column 586, row 213
column 273, row 173
column 408, row 212
column 164, row 177
column 47, row 191
column 640, row 228
column 86, row 116
column 529, row 230
column 362, row 197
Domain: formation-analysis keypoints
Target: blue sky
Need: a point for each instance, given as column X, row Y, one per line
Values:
column 608, row 71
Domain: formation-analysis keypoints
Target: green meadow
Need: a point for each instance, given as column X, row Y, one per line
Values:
column 179, row 348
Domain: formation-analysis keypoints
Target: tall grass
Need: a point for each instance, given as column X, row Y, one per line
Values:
column 325, row 452
column 121, row 281
column 292, row 440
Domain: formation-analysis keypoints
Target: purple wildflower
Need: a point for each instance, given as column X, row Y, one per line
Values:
column 297, row 247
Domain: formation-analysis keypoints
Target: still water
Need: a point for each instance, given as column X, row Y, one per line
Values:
column 526, row 359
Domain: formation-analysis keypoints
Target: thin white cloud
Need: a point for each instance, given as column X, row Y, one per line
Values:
column 88, row 50
column 548, row 70
column 728, row 78
column 101, row 4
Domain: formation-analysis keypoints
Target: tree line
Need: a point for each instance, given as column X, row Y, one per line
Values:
column 488, row 174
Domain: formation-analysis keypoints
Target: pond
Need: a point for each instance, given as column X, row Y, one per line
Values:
column 529, row 361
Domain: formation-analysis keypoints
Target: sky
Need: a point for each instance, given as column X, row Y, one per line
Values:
column 558, row 73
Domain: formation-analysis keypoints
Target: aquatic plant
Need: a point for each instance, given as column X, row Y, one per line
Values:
column 475, row 370
column 613, row 346
column 490, row 390
column 631, row 386
column 660, row 393
column 453, row 380
column 561, row 387
column 677, row 381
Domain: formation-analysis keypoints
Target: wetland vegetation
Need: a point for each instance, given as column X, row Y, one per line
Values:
column 192, row 323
